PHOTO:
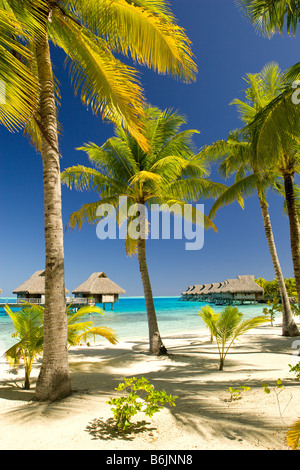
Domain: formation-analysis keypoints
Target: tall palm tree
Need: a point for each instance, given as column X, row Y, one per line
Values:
column 281, row 117
column 89, row 33
column 170, row 173
column 238, row 156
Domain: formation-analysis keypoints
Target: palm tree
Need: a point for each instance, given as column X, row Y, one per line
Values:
column 228, row 326
column 28, row 324
column 29, row 329
column 209, row 316
column 253, row 175
column 89, row 33
column 168, row 173
column 270, row 16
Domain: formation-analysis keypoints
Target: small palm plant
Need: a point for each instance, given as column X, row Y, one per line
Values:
column 208, row 315
column 29, row 329
column 80, row 330
column 228, row 326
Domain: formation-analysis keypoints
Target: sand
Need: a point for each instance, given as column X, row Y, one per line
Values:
column 204, row 418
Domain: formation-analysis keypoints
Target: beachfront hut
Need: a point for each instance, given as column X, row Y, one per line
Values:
column 98, row 288
column 241, row 290
column 33, row 290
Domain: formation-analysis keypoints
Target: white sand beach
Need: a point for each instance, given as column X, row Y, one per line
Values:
column 204, row 418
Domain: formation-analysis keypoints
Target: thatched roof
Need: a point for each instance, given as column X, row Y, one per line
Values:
column 98, row 283
column 35, row 285
column 196, row 289
column 244, row 283
column 188, row 291
column 209, row 288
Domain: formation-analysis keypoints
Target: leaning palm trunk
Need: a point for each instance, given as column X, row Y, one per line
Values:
column 294, row 228
column 289, row 328
column 54, row 378
column 156, row 346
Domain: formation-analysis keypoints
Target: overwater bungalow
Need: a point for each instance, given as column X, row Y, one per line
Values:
column 238, row 291
column 33, row 290
column 185, row 294
column 98, row 288
column 241, row 290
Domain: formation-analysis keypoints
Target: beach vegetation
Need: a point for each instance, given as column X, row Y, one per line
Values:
column 277, row 389
column 170, row 173
column 228, row 326
column 208, row 315
column 274, row 307
column 91, row 34
column 255, row 173
column 296, row 370
column 293, row 436
column 29, row 330
column 140, row 396
column 236, row 393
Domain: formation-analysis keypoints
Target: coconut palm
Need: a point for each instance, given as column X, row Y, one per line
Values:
column 170, row 173
column 228, row 326
column 252, row 175
column 89, row 33
column 276, row 145
column 272, row 16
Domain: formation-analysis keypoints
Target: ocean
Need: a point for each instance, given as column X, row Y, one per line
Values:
column 129, row 319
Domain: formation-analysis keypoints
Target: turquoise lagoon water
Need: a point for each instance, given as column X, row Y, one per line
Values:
column 129, row 320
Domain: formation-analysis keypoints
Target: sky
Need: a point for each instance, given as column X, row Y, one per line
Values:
column 226, row 48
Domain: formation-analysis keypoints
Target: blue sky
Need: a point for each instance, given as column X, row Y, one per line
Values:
column 226, row 49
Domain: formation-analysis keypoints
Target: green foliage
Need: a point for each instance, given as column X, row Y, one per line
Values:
column 28, row 324
column 209, row 315
column 236, row 393
column 169, row 173
column 277, row 388
column 293, row 436
column 29, row 330
column 271, row 288
column 80, row 330
column 228, row 326
column 274, row 307
column 296, row 370
column 140, row 396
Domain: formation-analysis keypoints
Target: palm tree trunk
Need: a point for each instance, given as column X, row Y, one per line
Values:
column 54, row 378
column 156, row 346
column 294, row 228
column 289, row 327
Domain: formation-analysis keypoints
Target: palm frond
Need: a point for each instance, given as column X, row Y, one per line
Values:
column 146, row 30
column 293, row 435
column 107, row 85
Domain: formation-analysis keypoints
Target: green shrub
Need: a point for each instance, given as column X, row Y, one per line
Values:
column 140, row 396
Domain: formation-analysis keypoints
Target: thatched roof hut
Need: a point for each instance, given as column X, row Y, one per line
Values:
column 242, row 288
column 99, row 287
column 243, row 284
column 33, row 288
